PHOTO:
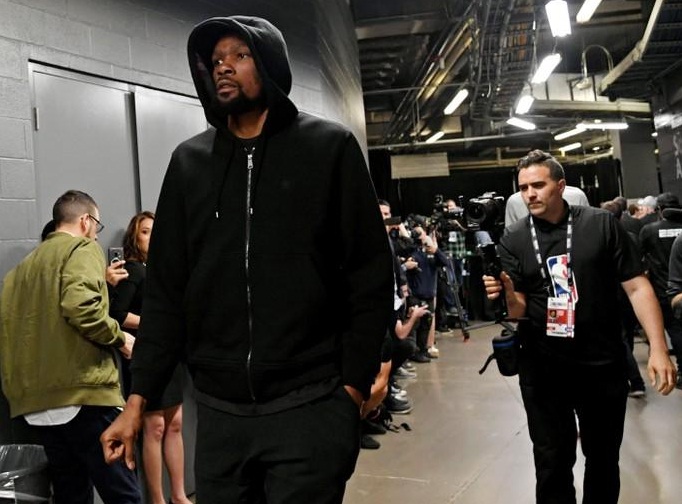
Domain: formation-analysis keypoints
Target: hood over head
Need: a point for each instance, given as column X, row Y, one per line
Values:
column 269, row 51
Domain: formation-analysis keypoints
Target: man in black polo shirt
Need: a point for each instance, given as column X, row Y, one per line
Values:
column 568, row 261
column 656, row 239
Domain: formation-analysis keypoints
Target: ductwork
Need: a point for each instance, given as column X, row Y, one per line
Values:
column 637, row 52
column 432, row 73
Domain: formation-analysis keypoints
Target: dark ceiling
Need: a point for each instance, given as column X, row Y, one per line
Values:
column 416, row 54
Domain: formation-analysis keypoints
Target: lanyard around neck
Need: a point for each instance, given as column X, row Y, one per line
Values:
column 569, row 240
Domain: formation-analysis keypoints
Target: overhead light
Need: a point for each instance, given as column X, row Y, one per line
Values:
column 456, row 101
column 595, row 149
column 562, row 136
column 586, row 11
column 547, row 66
column 520, row 123
column 654, row 134
column 559, row 20
column 524, row 104
column 435, row 137
column 619, row 125
column 570, row 147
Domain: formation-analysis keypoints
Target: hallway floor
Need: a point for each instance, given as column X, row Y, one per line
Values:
column 469, row 443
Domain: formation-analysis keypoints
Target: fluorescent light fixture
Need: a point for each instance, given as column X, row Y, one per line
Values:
column 570, row 147
column 559, row 20
column 520, row 123
column 620, row 125
column 524, row 104
column 547, row 66
column 586, row 11
column 435, row 137
column 566, row 134
column 456, row 101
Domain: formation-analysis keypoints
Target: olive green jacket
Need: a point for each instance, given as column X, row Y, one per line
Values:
column 56, row 337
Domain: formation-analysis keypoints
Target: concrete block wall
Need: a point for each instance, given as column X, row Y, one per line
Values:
column 144, row 42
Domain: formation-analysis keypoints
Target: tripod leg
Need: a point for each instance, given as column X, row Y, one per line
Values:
column 458, row 304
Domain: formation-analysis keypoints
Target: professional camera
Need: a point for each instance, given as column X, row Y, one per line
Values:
column 485, row 212
column 413, row 221
column 444, row 220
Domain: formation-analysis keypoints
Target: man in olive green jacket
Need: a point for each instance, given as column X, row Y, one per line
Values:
column 57, row 345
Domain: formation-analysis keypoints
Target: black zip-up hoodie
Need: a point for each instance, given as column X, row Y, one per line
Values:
column 269, row 281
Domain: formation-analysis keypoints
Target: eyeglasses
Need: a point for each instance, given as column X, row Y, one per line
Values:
column 100, row 226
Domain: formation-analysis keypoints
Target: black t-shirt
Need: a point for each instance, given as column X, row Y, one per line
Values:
column 602, row 256
column 128, row 293
column 675, row 268
column 656, row 240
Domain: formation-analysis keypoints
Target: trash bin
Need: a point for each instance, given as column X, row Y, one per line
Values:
column 24, row 477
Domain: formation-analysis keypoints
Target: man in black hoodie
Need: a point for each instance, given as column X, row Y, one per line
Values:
column 270, row 273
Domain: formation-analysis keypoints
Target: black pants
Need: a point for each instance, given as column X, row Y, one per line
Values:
column 551, row 394
column 305, row 454
column 77, row 461
column 402, row 350
column 423, row 327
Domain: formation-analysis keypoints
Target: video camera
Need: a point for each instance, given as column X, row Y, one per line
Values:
column 444, row 220
column 485, row 212
column 482, row 213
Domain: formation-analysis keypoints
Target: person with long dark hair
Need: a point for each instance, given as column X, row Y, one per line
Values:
column 162, row 422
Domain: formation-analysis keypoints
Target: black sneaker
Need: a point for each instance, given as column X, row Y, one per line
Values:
column 372, row 428
column 421, row 357
column 637, row 390
column 397, row 406
column 369, row 443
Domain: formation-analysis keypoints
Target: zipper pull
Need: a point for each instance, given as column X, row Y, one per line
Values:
column 249, row 168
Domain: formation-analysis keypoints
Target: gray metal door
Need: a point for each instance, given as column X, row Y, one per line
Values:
column 84, row 140
column 163, row 121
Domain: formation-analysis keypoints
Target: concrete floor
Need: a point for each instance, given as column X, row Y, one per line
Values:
column 469, row 443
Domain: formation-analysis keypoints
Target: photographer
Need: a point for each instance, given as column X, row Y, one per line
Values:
column 401, row 339
column 422, row 282
column 453, row 243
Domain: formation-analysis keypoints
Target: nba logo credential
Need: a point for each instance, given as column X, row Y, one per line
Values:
column 558, row 274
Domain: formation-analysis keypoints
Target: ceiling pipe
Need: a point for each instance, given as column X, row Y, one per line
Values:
column 512, row 162
column 637, row 52
column 428, row 70
column 586, row 82
column 503, row 43
column 450, row 56
column 511, row 39
column 453, row 141
column 411, row 88
column 478, row 62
